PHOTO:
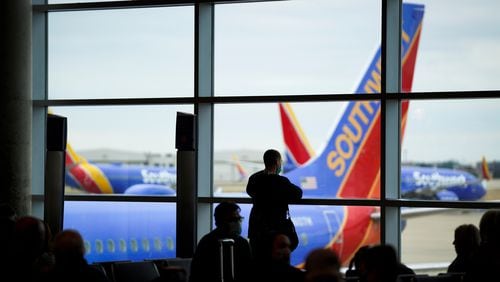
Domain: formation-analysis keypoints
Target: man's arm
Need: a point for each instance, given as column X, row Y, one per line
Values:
column 294, row 192
column 251, row 187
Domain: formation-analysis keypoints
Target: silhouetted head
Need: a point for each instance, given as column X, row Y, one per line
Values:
column 272, row 161
column 322, row 265
column 274, row 247
column 489, row 228
column 381, row 263
column 357, row 265
column 30, row 237
column 281, row 248
column 68, row 247
column 228, row 219
column 467, row 239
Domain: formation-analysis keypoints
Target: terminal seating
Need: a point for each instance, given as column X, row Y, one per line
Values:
column 442, row 277
column 169, row 270
column 137, row 271
column 174, row 269
column 100, row 267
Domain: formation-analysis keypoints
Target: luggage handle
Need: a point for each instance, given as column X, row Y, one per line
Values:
column 230, row 242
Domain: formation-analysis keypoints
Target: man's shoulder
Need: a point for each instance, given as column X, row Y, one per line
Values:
column 257, row 174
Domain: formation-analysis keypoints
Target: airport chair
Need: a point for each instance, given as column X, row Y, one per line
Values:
column 438, row 278
column 179, row 265
column 138, row 271
column 410, row 277
column 99, row 267
column 456, row 276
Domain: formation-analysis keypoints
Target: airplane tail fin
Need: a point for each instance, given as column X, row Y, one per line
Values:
column 298, row 150
column 485, row 169
column 241, row 170
column 349, row 165
column 73, row 158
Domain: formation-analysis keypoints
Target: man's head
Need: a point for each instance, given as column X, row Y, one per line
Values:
column 322, row 265
column 272, row 161
column 228, row 219
column 30, row 237
column 281, row 248
column 69, row 246
column 489, row 228
column 466, row 238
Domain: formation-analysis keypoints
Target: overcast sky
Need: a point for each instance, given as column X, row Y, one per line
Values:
column 290, row 47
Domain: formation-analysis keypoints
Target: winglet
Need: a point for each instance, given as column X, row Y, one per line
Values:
column 485, row 169
column 241, row 170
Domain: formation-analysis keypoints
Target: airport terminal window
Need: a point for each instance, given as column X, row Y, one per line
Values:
column 133, row 230
column 319, row 155
column 158, row 64
column 322, row 225
column 443, row 147
column 126, row 150
column 421, row 249
column 124, row 53
column 295, row 48
column 455, row 50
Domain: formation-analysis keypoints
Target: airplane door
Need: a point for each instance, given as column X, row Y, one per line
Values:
column 336, row 236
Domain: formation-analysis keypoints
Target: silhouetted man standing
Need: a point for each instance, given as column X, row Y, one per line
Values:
column 271, row 193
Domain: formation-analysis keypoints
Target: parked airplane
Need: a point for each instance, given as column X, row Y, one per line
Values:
column 416, row 182
column 117, row 178
column 115, row 231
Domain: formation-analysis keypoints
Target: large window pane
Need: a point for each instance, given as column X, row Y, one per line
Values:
column 432, row 252
column 121, row 53
column 121, row 150
column 443, row 145
column 458, row 46
column 343, row 162
column 342, row 228
column 119, row 231
column 294, row 47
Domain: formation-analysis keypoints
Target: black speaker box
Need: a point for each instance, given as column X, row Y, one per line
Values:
column 56, row 133
column 185, row 132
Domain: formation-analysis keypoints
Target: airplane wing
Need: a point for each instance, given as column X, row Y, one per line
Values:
column 407, row 213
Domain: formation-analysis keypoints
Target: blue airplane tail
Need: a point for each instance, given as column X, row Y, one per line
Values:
column 349, row 165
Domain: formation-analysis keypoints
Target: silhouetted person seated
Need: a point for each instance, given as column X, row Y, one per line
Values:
column 383, row 265
column 486, row 263
column 29, row 252
column 274, row 262
column 357, row 265
column 205, row 265
column 466, row 244
column 322, row 265
column 69, row 252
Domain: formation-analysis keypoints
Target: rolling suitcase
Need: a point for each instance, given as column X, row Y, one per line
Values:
column 226, row 249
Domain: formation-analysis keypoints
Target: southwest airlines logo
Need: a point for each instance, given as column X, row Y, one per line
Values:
column 436, row 179
column 161, row 177
column 346, row 144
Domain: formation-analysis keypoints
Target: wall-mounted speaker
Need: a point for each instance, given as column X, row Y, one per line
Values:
column 185, row 132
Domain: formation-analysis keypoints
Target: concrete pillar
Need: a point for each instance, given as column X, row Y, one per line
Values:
column 15, row 104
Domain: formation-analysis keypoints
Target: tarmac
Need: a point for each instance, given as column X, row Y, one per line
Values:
column 427, row 241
